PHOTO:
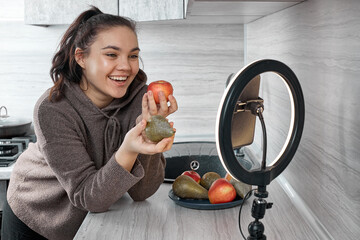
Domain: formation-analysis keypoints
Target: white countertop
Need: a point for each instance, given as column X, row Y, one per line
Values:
column 160, row 218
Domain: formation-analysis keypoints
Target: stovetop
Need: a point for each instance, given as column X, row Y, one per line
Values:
column 11, row 148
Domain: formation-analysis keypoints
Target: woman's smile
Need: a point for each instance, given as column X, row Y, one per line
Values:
column 119, row 81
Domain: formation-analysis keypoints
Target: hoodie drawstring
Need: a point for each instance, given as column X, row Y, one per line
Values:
column 112, row 136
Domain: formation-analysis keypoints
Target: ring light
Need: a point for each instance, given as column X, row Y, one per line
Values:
column 229, row 102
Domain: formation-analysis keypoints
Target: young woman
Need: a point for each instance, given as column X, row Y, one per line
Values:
column 90, row 150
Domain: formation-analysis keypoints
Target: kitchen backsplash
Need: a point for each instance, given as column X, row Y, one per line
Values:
column 319, row 40
column 195, row 58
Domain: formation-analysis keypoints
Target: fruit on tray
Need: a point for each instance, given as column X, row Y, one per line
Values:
column 185, row 187
column 158, row 128
column 158, row 86
column 241, row 188
column 194, row 175
column 208, row 178
column 221, row 191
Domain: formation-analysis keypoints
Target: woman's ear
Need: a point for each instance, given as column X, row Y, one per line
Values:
column 79, row 57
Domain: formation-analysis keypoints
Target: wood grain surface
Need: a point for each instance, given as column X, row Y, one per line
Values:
column 159, row 218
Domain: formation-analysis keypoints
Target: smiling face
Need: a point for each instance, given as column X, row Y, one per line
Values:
column 110, row 65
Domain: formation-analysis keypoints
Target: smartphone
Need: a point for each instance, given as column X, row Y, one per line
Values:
column 243, row 122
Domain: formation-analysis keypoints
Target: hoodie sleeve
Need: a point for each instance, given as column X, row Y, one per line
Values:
column 87, row 187
column 154, row 173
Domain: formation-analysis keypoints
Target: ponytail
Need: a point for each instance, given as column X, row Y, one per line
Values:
column 81, row 33
column 63, row 63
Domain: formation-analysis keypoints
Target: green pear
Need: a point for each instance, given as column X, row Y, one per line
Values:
column 158, row 128
column 208, row 178
column 186, row 187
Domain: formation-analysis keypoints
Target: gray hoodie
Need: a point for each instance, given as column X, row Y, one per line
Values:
column 71, row 169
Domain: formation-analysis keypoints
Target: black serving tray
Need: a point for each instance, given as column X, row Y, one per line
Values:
column 203, row 204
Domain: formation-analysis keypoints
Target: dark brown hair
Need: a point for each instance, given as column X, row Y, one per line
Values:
column 82, row 33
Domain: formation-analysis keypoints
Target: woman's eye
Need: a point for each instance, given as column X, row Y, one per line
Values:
column 111, row 55
column 134, row 56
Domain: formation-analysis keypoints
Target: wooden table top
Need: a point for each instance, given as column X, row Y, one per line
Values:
column 161, row 218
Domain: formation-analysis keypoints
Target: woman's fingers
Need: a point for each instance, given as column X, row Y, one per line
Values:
column 139, row 128
column 163, row 106
column 173, row 104
column 145, row 107
column 164, row 109
column 164, row 145
column 152, row 108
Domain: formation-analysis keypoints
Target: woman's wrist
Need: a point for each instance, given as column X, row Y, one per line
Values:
column 125, row 159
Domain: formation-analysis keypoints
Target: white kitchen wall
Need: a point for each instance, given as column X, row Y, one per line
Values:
column 12, row 10
column 195, row 58
column 319, row 40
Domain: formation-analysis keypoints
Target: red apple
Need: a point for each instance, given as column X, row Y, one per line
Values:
column 221, row 191
column 158, row 86
column 194, row 175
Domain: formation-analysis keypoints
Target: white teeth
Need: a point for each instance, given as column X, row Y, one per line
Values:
column 118, row 78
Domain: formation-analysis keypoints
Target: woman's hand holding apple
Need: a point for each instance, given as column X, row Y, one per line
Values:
column 155, row 101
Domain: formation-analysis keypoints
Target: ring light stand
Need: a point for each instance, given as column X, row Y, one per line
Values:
column 230, row 105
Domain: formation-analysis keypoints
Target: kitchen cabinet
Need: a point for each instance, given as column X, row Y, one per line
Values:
column 150, row 10
column 47, row 12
